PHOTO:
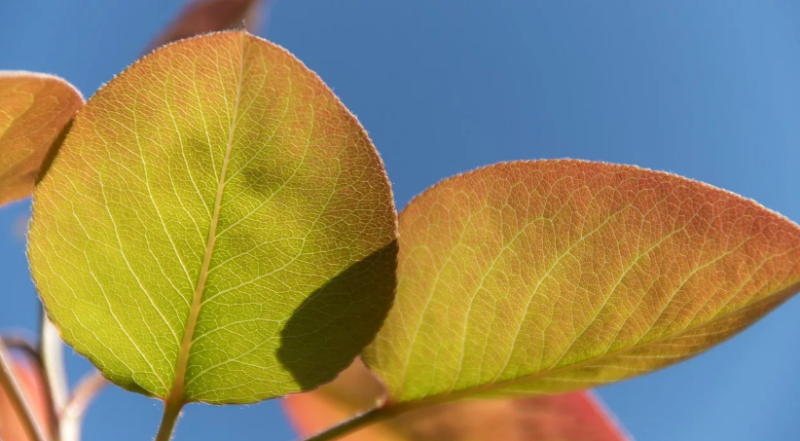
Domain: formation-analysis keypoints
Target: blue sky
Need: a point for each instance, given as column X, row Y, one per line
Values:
column 706, row 89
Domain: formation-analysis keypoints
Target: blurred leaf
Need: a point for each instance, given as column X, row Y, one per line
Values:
column 539, row 277
column 34, row 109
column 577, row 416
column 202, row 16
column 217, row 226
column 31, row 382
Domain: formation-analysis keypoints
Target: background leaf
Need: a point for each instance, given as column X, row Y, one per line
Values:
column 202, row 16
column 552, row 276
column 34, row 109
column 217, row 226
column 577, row 416
column 31, row 382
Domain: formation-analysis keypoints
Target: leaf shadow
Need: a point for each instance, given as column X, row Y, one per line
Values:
column 334, row 324
column 52, row 152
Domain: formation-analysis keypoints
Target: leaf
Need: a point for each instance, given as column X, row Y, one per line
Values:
column 29, row 376
column 537, row 277
column 34, row 109
column 217, row 226
column 202, row 16
column 577, row 416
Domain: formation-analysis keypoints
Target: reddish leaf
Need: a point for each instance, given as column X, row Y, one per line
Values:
column 202, row 16
column 577, row 416
column 29, row 377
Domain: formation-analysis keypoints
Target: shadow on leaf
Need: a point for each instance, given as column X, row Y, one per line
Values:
column 333, row 325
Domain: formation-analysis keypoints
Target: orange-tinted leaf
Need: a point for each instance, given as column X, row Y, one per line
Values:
column 539, row 277
column 29, row 377
column 202, row 16
column 34, row 109
column 577, row 416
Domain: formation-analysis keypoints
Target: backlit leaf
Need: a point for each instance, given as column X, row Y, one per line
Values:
column 217, row 226
column 553, row 276
column 34, row 109
column 577, row 416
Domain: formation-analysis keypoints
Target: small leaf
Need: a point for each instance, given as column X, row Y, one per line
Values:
column 31, row 382
column 34, row 109
column 217, row 226
column 554, row 276
column 577, row 416
column 202, row 16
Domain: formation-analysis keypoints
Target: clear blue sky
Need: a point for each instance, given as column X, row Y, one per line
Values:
column 707, row 89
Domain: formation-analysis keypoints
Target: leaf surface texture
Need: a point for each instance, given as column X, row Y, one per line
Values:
column 551, row 276
column 217, row 227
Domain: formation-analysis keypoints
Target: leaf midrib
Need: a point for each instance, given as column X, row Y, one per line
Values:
column 176, row 393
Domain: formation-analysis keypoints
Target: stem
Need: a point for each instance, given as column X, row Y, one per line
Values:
column 51, row 360
column 75, row 408
column 357, row 422
column 172, row 410
column 52, row 353
column 21, row 406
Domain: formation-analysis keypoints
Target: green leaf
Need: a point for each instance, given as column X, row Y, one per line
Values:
column 217, row 226
column 34, row 110
column 539, row 277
